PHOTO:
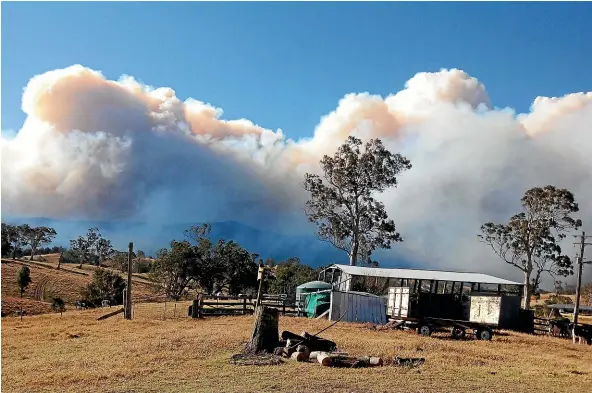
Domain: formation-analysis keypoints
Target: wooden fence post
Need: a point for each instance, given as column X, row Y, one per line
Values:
column 128, row 297
column 195, row 309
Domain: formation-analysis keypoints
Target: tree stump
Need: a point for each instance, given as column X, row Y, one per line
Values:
column 265, row 335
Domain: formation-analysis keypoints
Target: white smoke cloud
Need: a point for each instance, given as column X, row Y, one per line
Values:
column 99, row 149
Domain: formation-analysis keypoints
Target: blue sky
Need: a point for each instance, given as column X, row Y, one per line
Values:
column 284, row 65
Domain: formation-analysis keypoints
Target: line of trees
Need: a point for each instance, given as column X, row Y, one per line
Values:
column 200, row 263
column 16, row 237
column 91, row 249
column 210, row 266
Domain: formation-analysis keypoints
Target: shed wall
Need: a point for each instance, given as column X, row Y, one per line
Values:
column 359, row 307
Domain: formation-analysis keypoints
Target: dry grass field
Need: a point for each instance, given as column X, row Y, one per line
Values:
column 48, row 282
column 76, row 353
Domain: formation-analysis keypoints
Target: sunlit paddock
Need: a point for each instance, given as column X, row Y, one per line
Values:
column 168, row 351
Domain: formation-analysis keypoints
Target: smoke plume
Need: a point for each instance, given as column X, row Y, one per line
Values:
column 92, row 148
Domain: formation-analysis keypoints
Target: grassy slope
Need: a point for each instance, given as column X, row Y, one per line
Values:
column 184, row 355
column 48, row 282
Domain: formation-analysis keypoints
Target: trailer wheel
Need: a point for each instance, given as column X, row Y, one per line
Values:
column 484, row 334
column 424, row 329
column 458, row 332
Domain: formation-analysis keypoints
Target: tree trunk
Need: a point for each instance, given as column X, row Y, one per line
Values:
column 265, row 335
column 527, row 291
column 353, row 257
column 60, row 259
column 32, row 253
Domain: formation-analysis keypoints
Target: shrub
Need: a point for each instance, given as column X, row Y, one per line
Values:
column 104, row 286
column 23, row 279
column 58, row 305
column 69, row 256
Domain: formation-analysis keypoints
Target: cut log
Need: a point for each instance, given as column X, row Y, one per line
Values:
column 313, row 355
column 303, row 349
column 324, row 359
column 265, row 336
column 370, row 361
column 343, row 360
column 299, row 356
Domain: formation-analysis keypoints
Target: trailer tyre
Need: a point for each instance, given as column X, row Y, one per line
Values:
column 484, row 334
column 424, row 329
column 458, row 332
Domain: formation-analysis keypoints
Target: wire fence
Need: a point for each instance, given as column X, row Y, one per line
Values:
column 161, row 311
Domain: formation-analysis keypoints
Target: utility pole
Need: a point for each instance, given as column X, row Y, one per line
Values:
column 581, row 263
column 128, row 298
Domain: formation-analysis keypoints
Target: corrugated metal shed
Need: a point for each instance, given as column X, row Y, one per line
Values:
column 418, row 274
column 360, row 307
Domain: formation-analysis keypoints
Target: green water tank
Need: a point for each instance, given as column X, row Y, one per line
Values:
column 309, row 287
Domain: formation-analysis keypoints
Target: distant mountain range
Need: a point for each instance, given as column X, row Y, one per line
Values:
column 151, row 237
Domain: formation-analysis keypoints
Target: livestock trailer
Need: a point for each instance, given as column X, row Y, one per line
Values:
column 480, row 313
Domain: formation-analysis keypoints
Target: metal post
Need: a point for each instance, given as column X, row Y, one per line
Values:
column 128, row 299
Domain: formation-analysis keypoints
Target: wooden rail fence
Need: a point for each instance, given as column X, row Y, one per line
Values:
column 541, row 325
column 208, row 305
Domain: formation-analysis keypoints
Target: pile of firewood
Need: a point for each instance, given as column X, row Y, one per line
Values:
column 309, row 348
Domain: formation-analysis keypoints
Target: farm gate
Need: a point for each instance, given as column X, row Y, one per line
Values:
column 208, row 305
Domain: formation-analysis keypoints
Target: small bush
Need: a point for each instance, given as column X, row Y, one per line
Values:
column 58, row 305
column 69, row 257
column 143, row 266
column 104, row 286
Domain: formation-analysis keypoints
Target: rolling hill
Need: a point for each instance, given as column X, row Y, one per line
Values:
column 48, row 282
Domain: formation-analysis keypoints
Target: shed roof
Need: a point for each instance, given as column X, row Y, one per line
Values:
column 418, row 274
column 314, row 285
